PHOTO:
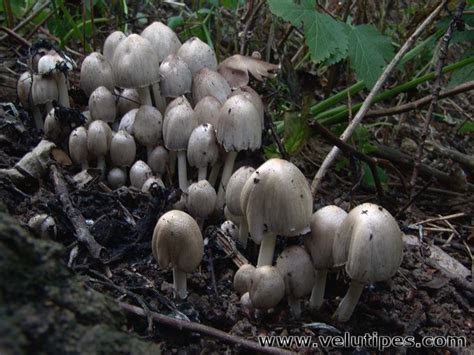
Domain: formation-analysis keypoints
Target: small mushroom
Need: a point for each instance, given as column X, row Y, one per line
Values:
column 229, row 228
column 126, row 123
column 111, row 43
column 294, row 265
column 267, row 287
column 122, row 149
column 243, row 278
column 319, row 243
column 127, row 100
column 197, row 55
column 43, row 92
column 43, row 225
column 78, row 147
column 147, row 127
column 54, row 129
column 139, row 173
column 164, row 39
column 158, row 160
column 99, row 136
column 151, row 182
column 177, row 242
column 176, row 77
column 117, row 177
column 96, row 71
column 207, row 110
column 102, row 105
column 374, row 254
column 200, row 200
column 207, row 82
column 203, row 149
column 23, row 88
column 252, row 95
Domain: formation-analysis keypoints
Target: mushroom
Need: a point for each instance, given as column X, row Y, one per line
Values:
column 176, row 77
column 208, row 82
column 200, row 200
column 202, row 149
column 102, row 105
column 158, row 160
column 116, row 177
column 232, row 198
column 267, row 287
column 111, row 43
column 177, row 242
column 78, row 147
column 122, row 149
column 151, row 182
column 178, row 125
column 229, row 228
column 243, row 278
column 374, row 254
column 207, row 110
column 319, row 243
column 127, row 100
column 197, row 55
column 252, row 95
column 164, row 39
column 43, row 92
column 96, row 71
column 99, row 136
column 23, row 89
column 276, row 200
column 230, row 216
column 136, row 65
column 126, row 123
column 294, row 265
column 54, row 129
column 139, row 173
column 238, row 129
column 43, row 225
column 147, row 127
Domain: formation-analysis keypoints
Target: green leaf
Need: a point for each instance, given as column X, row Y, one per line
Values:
column 463, row 74
column 368, row 178
column 175, row 21
column 296, row 132
column 324, row 36
column 467, row 128
column 369, row 52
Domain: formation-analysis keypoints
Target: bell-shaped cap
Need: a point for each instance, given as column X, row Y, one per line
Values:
column 176, row 77
column 177, row 241
column 252, row 95
column 243, row 278
column 201, row 199
column 126, row 123
column 99, row 137
column 203, row 149
column 158, row 160
column 147, row 126
column 96, row 71
column 102, row 105
column 127, row 100
column 163, row 39
column 116, row 178
column 208, row 82
column 197, row 55
column 178, row 125
column 111, row 43
column 207, row 110
column 78, row 145
column 122, row 149
column 139, row 173
column 277, row 199
column 234, row 189
column 43, row 90
column 267, row 287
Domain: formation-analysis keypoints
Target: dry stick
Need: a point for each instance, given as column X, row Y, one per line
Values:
column 443, row 52
column 370, row 98
column 243, row 39
column 420, row 102
column 16, row 36
column 77, row 219
column 202, row 329
column 349, row 150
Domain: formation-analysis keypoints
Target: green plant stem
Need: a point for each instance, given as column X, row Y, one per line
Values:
column 340, row 96
column 73, row 31
column 339, row 114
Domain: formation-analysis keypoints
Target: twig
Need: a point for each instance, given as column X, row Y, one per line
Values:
column 443, row 52
column 16, row 36
column 202, row 329
column 77, row 219
column 351, row 151
column 414, row 197
column 442, row 218
column 420, row 102
column 228, row 246
column 276, row 138
column 243, row 39
column 464, row 159
column 370, row 98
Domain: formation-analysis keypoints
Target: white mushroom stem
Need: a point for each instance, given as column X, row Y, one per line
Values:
column 62, row 89
column 317, row 294
column 101, row 165
column 295, row 306
column 38, row 119
column 214, row 173
column 243, row 232
column 346, row 307
column 202, row 173
column 144, row 94
column 182, row 170
column 226, row 174
column 179, row 282
column 267, row 247
column 160, row 103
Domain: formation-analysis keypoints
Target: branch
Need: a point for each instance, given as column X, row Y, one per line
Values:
column 77, row 219
column 436, row 89
column 370, row 98
column 202, row 329
column 421, row 102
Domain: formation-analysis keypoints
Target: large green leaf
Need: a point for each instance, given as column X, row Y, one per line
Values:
column 369, row 52
column 463, row 74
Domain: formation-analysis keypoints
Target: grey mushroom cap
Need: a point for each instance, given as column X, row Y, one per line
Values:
column 253, row 96
column 99, row 137
column 139, row 173
column 177, row 241
column 147, row 127
column 277, row 199
column 234, row 189
column 267, row 287
column 178, row 125
column 202, row 146
column 96, row 71
column 319, row 242
column 294, row 265
column 207, row 110
column 201, row 199
column 243, row 278
column 164, row 39
column 127, row 100
column 376, row 244
column 78, row 145
column 43, row 90
column 102, row 105
column 197, row 55
column 111, row 43
column 176, row 77
column 122, row 149
column 135, row 63
column 158, row 160
column 208, row 82
column 181, row 100
column 116, row 178
column 239, row 126
column 126, row 123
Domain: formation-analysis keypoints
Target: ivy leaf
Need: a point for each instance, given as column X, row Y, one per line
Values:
column 369, row 52
column 324, row 36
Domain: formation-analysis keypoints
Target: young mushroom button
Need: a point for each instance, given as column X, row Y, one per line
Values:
column 164, row 39
column 267, row 287
column 197, row 55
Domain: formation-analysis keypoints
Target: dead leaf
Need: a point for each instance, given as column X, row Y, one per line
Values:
column 60, row 157
column 236, row 70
